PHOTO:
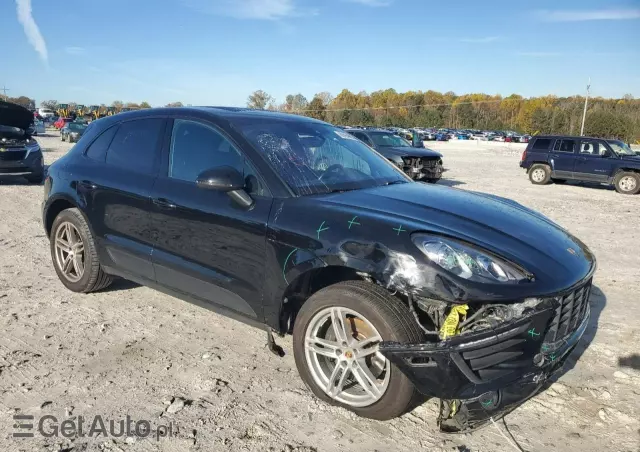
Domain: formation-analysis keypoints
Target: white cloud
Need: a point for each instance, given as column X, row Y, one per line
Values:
column 249, row 9
column 75, row 50
column 25, row 17
column 585, row 15
column 484, row 40
column 372, row 2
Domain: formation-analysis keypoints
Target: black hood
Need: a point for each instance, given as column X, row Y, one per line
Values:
column 407, row 151
column 14, row 115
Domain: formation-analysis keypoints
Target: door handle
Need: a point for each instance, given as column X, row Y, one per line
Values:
column 164, row 203
column 87, row 185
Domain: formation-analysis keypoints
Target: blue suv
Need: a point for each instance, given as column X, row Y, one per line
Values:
column 560, row 158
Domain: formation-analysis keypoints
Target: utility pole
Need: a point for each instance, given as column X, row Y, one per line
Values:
column 584, row 113
column 4, row 90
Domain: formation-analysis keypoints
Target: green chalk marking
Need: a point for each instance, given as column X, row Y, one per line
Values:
column 353, row 221
column 399, row 229
column 284, row 266
column 320, row 229
column 532, row 333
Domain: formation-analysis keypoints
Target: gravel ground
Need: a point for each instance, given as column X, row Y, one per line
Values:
column 133, row 351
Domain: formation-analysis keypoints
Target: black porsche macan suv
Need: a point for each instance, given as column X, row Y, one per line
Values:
column 20, row 153
column 388, row 286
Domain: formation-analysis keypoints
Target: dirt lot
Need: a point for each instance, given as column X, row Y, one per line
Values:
column 133, row 351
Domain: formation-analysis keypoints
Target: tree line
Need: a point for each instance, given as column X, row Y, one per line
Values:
column 609, row 118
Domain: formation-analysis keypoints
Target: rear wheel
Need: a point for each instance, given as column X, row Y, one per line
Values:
column 540, row 174
column 627, row 183
column 336, row 341
column 62, row 137
column 74, row 255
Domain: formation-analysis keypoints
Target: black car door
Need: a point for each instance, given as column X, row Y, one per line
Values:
column 208, row 246
column 117, row 176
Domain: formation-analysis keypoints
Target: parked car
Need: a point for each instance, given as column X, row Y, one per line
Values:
column 45, row 112
column 420, row 164
column 388, row 286
column 561, row 158
column 61, row 122
column 20, row 154
column 38, row 128
column 72, row 131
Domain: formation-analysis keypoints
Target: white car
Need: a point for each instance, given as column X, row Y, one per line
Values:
column 46, row 112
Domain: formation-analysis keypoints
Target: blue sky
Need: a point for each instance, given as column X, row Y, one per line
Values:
column 216, row 52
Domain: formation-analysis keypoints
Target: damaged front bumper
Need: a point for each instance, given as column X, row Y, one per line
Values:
column 485, row 375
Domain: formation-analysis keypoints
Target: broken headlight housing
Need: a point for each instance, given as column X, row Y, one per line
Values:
column 469, row 262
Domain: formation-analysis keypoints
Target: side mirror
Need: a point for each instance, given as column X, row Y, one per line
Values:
column 226, row 179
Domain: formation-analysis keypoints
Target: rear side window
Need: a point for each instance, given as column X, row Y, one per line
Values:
column 541, row 144
column 98, row 149
column 135, row 145
column 565, row 146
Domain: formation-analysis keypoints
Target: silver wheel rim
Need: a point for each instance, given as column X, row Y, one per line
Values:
column 628, row 183
column 538, row 175
column 342, row 352
column 69, row 251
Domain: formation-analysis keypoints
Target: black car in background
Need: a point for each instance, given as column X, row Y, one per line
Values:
column 20, row 154
column 388, row 286
column 72, row 131
column 421, row 164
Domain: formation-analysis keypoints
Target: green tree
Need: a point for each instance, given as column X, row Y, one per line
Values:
column 259, row 100
column 317, row 108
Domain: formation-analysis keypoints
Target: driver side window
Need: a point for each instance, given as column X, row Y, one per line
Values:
column 196, row 147
column 592, row 148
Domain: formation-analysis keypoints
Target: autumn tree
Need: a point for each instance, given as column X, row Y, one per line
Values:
column 118, row 105
column 145, row 105
column 50, row 104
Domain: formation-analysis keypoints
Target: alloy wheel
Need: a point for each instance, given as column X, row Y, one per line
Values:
column 342, row 353
column 69, row 251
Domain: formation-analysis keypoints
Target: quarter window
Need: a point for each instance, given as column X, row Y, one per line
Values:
column 541, row 144
column 196, row 147
column 98, row 149
column 135, row 145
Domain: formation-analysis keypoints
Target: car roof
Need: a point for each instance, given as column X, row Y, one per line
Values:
column 572, row 137
column 229, row 113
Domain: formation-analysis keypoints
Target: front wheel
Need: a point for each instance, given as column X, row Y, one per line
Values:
column 627, row 183
column 336, row 340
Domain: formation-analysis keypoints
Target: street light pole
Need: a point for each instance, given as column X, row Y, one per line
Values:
column 584, row 113
column 4, row 90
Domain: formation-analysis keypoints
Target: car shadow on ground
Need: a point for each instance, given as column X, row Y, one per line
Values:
column 631, row 361
column 597, row 302
column 450, row 182
column 119, row 284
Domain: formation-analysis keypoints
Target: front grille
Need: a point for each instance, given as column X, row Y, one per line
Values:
column 570, row 311
column 429, row 163
column 11, row 156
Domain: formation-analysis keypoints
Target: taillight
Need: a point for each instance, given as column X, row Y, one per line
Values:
column 524, row 155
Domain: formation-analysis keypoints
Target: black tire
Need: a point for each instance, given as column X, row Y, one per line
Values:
column 61, row 137
column 93, row 278
column 35, row 178
column 621, row 182
column 389, row 316
column 535, row 174
column 558, row 181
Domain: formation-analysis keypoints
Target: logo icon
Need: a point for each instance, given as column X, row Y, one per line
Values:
column 23, row 421
column 2, row 149
column 571, row 251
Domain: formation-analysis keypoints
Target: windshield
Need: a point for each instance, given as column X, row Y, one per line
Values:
column 11, row 131
column 620, row 147
column 388, row 140
column 77, row 127
column 314, row 158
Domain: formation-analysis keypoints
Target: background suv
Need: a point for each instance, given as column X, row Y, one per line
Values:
column 562, row 158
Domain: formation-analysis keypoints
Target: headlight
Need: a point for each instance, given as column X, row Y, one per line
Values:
column 469, row 263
